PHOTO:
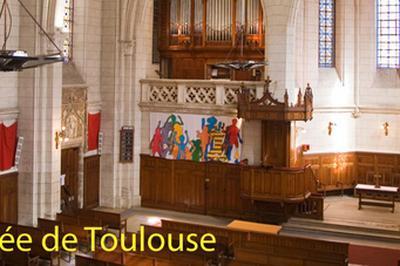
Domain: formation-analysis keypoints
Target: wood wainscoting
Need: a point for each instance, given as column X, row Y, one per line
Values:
column 9, row 198
column 340, row 171
column 91, row 182
column 223, row 189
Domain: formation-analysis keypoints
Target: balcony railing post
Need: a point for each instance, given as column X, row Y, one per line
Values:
column 181, row 92
column 220, row 94
column 145, row 90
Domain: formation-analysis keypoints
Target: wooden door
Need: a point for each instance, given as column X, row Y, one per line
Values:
column 70, row 168
column 91, row 182
column 9, row 198
column 189, row 186
column 215, row 189
column 223, row 189
column 276, row 143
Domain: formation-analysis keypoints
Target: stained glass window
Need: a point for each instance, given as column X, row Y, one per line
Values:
column 388, row 33
column 68, row 27
column 326, row 33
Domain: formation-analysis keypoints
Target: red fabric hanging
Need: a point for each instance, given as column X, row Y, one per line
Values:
column 8, row 143
column 93, row 131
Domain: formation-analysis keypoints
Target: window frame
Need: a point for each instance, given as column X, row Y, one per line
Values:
column 378, row 36
column 333, row 54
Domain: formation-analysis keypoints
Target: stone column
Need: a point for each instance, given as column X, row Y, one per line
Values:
column 280, row 43
column 39, row 99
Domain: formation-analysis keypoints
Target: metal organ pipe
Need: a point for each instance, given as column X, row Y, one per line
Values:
column 219, row 18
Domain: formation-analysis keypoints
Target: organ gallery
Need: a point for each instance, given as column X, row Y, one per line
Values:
column 199, row 132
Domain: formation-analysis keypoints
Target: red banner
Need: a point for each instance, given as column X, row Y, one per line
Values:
column 93, row 131
column 8, row 143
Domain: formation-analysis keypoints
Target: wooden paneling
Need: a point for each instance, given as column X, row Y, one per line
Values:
column 337, row 171
column 189, row 186
column 70, row 168
column 277, row 185
column 387, row 165
column 91, row 182
column 221, row 189
column 157, row 189
column 9, row 198
column 334, row 171
column 276, row 143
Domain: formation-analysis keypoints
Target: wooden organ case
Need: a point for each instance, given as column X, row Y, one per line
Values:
column 196, row 34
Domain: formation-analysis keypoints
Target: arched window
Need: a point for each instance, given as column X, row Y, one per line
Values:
column 388, row 33
column 326, row 33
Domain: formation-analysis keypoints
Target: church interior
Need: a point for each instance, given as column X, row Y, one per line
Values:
column 272, row 124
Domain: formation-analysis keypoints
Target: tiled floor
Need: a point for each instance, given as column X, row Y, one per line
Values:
column 345, row 210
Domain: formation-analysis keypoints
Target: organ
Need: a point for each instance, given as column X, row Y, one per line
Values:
column 202, row 33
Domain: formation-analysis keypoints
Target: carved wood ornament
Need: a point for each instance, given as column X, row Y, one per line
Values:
column 74, row 114
column 268, row 108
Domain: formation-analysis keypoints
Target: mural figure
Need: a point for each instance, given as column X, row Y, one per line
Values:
column 211, row 123
column 232, row 139
column 196, row 150
column 168, row 134
column 156, row 141
column 204, row 137
column 216, row 152
column 213, row 141
column 181, row 145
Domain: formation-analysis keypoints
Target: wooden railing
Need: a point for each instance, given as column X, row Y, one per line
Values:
column 224, row 189
column 311, row 208
column 277, row 184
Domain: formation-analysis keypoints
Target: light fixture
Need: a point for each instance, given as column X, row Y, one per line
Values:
column 17, row 60
column 301, row 130
column 385, row 127
column 330, row 128
column 60, row 137
column 241, row 65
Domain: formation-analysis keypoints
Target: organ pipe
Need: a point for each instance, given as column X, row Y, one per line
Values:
column 218, row 18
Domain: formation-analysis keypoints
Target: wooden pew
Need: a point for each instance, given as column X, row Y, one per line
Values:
column 272, row 250
column 198, row 257
column 267, row 249
column 37, row 247
column 86, row 261
column 48, row 226
column 226, row 238
column 111, row 220
column 17, row 257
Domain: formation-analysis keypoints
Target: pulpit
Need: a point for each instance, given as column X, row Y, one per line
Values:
column 278, row 179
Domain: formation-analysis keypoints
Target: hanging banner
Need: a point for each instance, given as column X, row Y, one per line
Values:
column 93, row 130
column 195, row 137
column 8, row 143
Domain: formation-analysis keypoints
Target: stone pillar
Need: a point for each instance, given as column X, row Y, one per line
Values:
column 280, row 43
column 39, row 98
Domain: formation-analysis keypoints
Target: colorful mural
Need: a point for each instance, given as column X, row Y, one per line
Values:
column 197, row 138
